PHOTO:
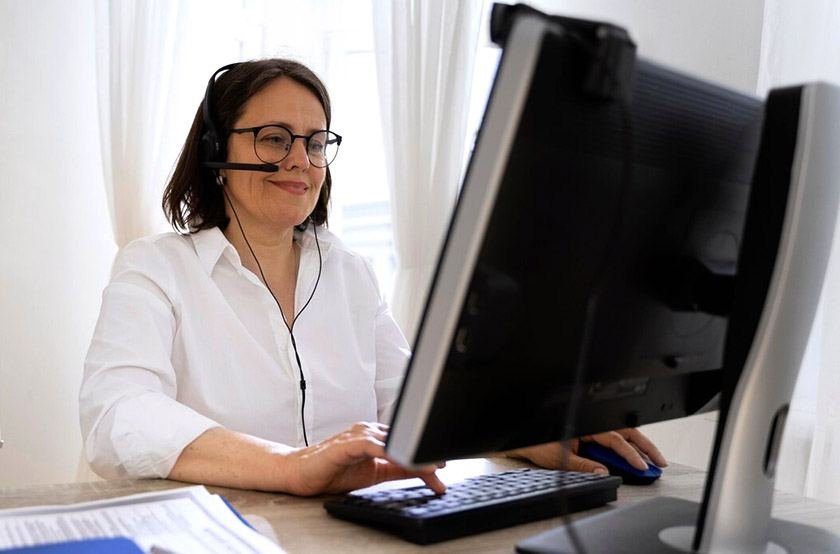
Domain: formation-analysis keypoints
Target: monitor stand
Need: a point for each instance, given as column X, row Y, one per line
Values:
column 665, row 525
column 735, row 513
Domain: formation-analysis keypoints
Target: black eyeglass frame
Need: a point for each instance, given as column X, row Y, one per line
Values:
column 306, row 139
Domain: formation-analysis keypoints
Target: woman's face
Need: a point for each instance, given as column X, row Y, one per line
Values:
column 285, row 198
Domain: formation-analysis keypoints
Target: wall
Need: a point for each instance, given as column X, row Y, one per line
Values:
column 714, row 39
column 800, row 43
column 55, row 233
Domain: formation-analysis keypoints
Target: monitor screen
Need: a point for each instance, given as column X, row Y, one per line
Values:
column 585, row 282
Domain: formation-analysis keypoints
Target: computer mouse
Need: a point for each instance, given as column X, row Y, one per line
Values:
column 617, row 465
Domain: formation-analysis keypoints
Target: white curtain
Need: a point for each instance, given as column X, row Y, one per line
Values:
column 135, row 44
column 135, row 40
column 801, row 43
column 425, row 53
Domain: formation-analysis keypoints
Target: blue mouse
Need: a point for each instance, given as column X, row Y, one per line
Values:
column 618, row 465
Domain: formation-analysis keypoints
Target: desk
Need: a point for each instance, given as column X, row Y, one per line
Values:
column 302, row 525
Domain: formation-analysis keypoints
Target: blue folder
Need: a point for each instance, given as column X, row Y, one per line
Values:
column 115, row 545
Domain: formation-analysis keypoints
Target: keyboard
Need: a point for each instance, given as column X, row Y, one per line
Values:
column 477, row 504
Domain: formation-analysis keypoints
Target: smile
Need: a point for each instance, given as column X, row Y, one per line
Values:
column 292, row 187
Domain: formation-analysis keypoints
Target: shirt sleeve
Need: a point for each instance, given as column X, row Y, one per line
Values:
column 392, row 355
column 132, row 424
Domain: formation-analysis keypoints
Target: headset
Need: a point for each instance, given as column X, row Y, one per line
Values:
column 213, row 154
column 212, row 146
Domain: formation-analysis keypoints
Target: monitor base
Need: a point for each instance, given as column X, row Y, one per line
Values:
column 643, row 527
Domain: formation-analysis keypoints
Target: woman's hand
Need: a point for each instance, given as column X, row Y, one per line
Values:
column 349, row 460
column 631, row 444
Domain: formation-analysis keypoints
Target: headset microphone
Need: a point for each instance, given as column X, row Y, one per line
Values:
column 267, row 168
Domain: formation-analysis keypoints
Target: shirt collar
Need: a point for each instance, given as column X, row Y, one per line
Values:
column 211, row 244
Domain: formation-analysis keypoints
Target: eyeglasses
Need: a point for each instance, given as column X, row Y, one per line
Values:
column 272, row 143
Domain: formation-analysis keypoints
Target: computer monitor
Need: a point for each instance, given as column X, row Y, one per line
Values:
column 624, row 250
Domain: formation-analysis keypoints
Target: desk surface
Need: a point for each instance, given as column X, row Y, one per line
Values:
column 302, row 525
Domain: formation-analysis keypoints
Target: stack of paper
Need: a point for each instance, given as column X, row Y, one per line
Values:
column 180, row 521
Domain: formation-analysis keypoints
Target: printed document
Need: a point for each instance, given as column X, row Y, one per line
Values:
column 179, row 521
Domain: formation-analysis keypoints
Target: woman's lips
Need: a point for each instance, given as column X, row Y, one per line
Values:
column 292, row 187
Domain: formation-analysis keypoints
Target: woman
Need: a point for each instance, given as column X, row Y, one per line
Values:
column 241, row 352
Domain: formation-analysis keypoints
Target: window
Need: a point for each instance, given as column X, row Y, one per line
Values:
column 335, row 39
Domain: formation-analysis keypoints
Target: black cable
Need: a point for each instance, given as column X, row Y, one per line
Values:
column 292, row 336
column 302, row 387
column 290, row 327
column 317, row 279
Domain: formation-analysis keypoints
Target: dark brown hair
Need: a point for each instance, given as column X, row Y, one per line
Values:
column 193, row 200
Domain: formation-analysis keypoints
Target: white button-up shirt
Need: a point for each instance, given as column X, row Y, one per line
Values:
column 189, row 339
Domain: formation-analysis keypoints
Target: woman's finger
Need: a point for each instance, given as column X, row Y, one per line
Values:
column 433, row 482
column 623, row 448
column 577, row 463
column 388, row 470
column 358, row 448
column 646, row 445
column 368, row 427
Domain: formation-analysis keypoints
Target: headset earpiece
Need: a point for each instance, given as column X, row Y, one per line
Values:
column 211, row 146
